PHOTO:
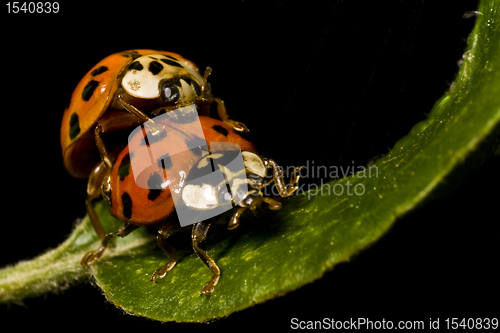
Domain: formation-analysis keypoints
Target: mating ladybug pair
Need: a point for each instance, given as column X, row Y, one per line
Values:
column 165, row 98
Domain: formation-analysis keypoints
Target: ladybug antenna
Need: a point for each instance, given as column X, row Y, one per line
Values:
column 208, row 71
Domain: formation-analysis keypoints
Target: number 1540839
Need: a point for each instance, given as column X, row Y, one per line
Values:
column 32, row 7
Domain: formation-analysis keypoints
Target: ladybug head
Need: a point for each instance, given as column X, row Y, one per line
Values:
column 163, row 77
column 218, row 182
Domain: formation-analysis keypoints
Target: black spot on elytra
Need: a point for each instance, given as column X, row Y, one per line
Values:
column 165, row 162
column 153, row 58
column 153, row 194
column 136, row 65
column 99, row 70
column 155, row 67
column 123, row 169
column 197, row 151
column 131, row 54
column 127, row 205
column 88, row 91
column 170, row 57
column 171, row 63
column 74, row 126
column 154, row 184
column 220, row 129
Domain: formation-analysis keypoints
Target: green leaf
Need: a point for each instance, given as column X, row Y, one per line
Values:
column 275, row 252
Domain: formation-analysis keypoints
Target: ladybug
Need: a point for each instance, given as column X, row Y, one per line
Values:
column 186, row 158
column 122, row 91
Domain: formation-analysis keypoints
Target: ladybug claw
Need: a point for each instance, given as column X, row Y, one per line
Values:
column 294, row 179
column 207, row 289
column 210, row 286
column 158, row 274
column 91, row 257
column 237, row 126
column 155, row 128
column 290, row 190
column 162, row 271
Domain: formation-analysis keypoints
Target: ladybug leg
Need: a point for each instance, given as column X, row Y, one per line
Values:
column 94, row 192
column 273, row 204
column 206, row 99
column 92, row 256
column 235, row 219
column 140, row 115
column 111, row 122
column 283, row 189
column 294, row 178
column 132, row 109
column 252, row 204
column 103, row 151
column 167, row 229
column 198, row 235
column 222, row 112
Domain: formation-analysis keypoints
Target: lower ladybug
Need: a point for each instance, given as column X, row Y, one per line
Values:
column 141, row 193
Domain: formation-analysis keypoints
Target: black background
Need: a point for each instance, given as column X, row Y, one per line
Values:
column 330, row 83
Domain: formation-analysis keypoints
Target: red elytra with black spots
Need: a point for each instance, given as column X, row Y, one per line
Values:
column 91, row 100
column 140, row 206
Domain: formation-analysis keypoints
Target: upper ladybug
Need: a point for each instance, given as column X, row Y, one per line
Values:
column 121, row 91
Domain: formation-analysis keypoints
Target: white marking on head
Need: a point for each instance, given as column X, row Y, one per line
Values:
column 199, row 197
column 204, row 161
column 253, row 163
